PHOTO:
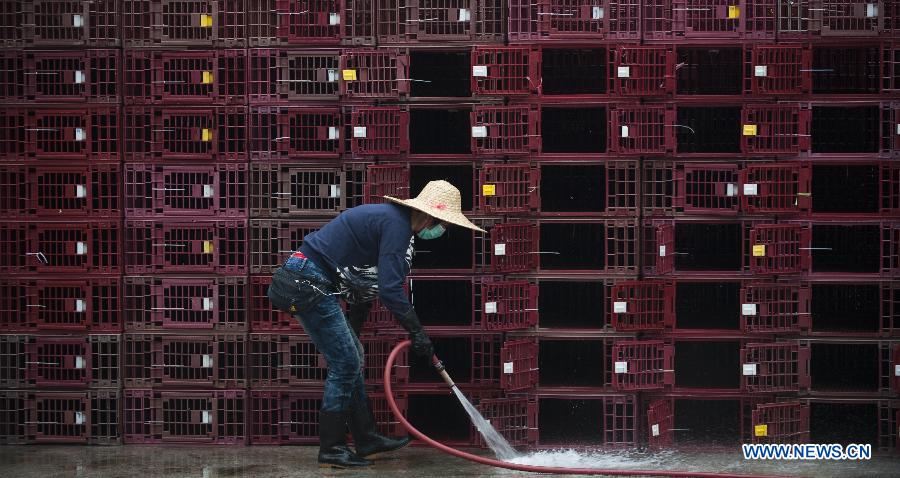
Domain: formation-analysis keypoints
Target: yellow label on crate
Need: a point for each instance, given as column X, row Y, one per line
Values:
column 734, row 11
column 749, row 130
column 207, row 247
column 205, row 135
column 206, row 21
column 761, row 430
column 489, row 189
column 759, row 250
column 349, row 75
column 207, row 77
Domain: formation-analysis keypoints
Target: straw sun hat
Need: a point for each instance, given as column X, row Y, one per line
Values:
column 440, row 200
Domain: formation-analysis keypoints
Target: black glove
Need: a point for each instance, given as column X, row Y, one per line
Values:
column 357, row 314
column 421, row 344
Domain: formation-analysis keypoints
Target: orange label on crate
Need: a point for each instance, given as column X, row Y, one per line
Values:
column 759, row 250
column 349, row 75
column 207, row 78
column 206, row 21
column 207, row 247
column 205, row 135
column 761, row 430
column 489, row 189
column 749, row 130
column 734, row 12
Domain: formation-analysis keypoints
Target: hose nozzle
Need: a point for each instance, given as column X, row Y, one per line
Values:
column 442, row 371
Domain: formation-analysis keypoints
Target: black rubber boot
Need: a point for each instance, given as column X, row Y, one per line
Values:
column 365, row 434
column 333, row 449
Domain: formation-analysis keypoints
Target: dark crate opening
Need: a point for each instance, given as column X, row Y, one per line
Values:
column 846, row 70
column 845, row 129
column 708, row 305
column 572, row 246
column 459, row 175
column 709, row 71
column 705, row 422
column 574, row 71
column 709, row 129
column 572, row 305
column 843, row 423
column 573, row 130
column 563, row 421
column 572, row 363
column 708, row 247
column 442, row 302
column 451, row 424
column 455, row 352
column 453, row 250
column 708, row 364
column 844, row 367
column 573, row 188
column 439, row 131
column 440, row 74
column 845, row 307
column 846, row 248
column 845, row 188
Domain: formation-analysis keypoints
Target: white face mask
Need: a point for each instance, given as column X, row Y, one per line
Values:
column 432, row 232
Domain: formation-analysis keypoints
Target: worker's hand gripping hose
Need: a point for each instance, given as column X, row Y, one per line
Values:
column 513, row 466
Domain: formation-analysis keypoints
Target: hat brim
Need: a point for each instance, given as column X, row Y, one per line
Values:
column 452, row 217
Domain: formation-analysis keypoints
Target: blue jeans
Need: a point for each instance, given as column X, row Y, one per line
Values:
column 319, row 312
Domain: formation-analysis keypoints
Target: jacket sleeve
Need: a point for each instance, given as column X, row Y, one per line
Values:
column 395, row 253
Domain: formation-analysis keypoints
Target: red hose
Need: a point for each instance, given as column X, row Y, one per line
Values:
column 536, row 469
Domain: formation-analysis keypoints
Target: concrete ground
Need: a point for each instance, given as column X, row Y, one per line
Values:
column 298, row 461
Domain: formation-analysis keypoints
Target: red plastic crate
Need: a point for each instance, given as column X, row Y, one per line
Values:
column 505, row 130
column 507, row 71
column 660, row 423
column 568, row 20
column 185, row 77
column 509, row 189
column 420, row 21
column 60, row 76
column 643, row 365
column 263, row 316
column 778, row 70
column 201, row 23
column 163, row 303
column 513, row 417
column 88, row 304
column 277, row 22
column 285, row 190
column 272, row 241
column 155, row 190
column 643, row 70
column 386, row 180
column 186, row 246
column 60, row 23
column 60, row 133
column 843, row 18
column 775, row 129
column 642, row 130
column 60, row 417
column 508, row 305
column 520, row 365
column 775, row 308
column 60, row 191
column 367, row 74
column 709, row 19
column 82, row 247
column 514, row 247
column 379, row 130
column 786, row 422
column 782, row 188
column 774, row 367
column 613, row 421
column 208, row 133
column 13, row 358
column 780, row 249
column 277, row 75
column 14, row 412
column 152, row 360
column 73, row 362
column 289, row 133
column 155, row 416
column 643, row 305
column 283, row 417
column 473, row 359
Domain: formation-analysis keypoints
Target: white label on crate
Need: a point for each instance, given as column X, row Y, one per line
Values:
column 77, row 21
column 359, row 131
column 207, row 304
column 871, row 10
column 479, row 71
column 597, row 13
column 751, row 189
column 332, row 75
column 334, row 191
column 207, row 361
column 499, row 249
column 332, row 132
column 79, row 418
column 79, row 362
column 897, row 370
column 748, row 309
column 654, row 430
column 464, row 15
column 334, row 19
column 208, row 191
column 207, row 417
column 80, row 191
column 749, row 369
column 621, row 367
column 620, row 307
column 79, row 305
column 761, row 70
column 79, row 77
column 79, row 134
column 490, row 307
column 80, row 248
column 898, row 128
column 624, row 131
column 730, row 190
column 479, row 131
column 508, row 367
column 623, row 72
column 662, row 251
